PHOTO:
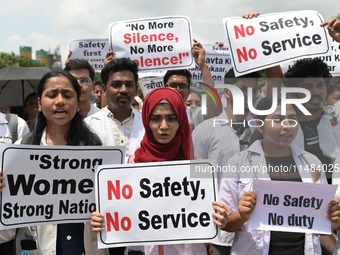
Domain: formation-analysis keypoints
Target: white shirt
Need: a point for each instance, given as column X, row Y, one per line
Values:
column 329, row 135
column 234, row 185
column 174, row 249
column 6, row 137
column 93, row 110
column 99, row 123
column 5, row 134
column 46, row 235
column 336, row 181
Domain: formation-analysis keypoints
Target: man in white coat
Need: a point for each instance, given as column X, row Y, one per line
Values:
column 227, row 134
column 6, row 136
column 319, row 132
column 118, row 124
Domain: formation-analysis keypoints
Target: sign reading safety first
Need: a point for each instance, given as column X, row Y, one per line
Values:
column 91, row 50
column 153, row 203
column 154, row 43
column 267, row 40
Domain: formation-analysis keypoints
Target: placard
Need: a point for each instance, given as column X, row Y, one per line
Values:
column 50, row 184
column 155, row 203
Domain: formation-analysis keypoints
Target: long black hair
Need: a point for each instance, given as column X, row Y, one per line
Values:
column 79, row 133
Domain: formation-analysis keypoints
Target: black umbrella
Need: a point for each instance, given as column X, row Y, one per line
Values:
column 16, row 83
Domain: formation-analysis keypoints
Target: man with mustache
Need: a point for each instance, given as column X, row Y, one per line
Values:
column 318, row 132
column 118, row 124
column 84, row 73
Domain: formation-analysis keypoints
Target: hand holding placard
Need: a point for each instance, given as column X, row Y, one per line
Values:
column 333, row 26
column 334, row 213
column 138, row 206
column 246, row 205
column 257, row 44
column 279, row 209
column 223, row 214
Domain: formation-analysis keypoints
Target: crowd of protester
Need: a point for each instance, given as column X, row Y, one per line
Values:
column 167, row 126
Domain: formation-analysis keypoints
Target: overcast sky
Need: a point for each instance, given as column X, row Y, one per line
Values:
column 45, row 24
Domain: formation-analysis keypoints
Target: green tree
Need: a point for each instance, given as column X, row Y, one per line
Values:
column 96, row 76
column 10, row 59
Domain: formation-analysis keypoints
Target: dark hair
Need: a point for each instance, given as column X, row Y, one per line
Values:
column 230, row 78
column 306, row 68
column 76, row 64
column 28, row 97
column 119, row 64
column 182, row 72
column 98, row 82
column 79, row 134
column 265, row 104
column 334, row 85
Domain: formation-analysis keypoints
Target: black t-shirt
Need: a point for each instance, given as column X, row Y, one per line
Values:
column 283, row 169
column 285, row 243
column 243, row 132
column 311, row 140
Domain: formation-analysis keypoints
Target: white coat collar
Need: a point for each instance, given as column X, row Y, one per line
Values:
column 300, row 157
column 3, row 118
column 136, row 135
column 256, row 147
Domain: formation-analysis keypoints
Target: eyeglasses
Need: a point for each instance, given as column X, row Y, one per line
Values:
column 84, row 81
column 180, row 86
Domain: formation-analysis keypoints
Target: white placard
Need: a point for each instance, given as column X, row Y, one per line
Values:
column 332, row 61
column 91, row 50
column 270, row 39
column 154, row 43
column 301, row 208
column 155, row 203
column 148, row 84
column 218, row 60
column 50, row 184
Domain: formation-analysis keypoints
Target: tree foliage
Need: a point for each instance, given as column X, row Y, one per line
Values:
column 10, row 59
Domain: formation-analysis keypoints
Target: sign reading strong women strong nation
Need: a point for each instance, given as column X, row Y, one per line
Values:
column 270, row 39
column 155, row 203
column 50, row 184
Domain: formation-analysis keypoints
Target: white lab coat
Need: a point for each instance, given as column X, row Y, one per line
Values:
column 46, row 235
column 219, row 142
column 174, row 249
column 336, row 180
column 93, row 109
column 5, row 133
column 6, row 137
column 99, row 124
column 329, row 136
column 256, row 242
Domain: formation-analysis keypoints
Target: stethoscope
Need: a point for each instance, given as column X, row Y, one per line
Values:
column 249, row 158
